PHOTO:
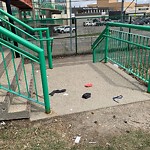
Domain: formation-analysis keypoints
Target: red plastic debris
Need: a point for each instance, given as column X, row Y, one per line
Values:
column 88, row 85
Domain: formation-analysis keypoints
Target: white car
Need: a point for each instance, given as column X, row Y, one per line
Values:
column 65, row 29
column 55, row 30
column 89, row 23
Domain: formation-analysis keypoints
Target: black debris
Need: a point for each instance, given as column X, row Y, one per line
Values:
column 86, row 95
column 57, row 91
column 117, row 97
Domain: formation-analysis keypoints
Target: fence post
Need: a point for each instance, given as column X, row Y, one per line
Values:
column 44, row 82
column 148, row 89
column 41, row 40
column 76, row 38
column 49, row 49
column 106, row 43
column 94, row 57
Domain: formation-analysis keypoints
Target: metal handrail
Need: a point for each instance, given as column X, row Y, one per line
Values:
column 40, row 60
column 40, row 30
column 128, row 50
column 131, row 26
column 98, row 39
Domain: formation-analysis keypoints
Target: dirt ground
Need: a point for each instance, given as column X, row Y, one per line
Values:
column 125, row 127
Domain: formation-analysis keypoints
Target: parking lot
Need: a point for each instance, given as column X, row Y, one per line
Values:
column 81, row 40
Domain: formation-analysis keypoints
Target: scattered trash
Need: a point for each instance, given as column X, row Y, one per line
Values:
column 88, row 85
column 37, row 71
column 65, row 94
column 55, row 120
column 92, row 142
column 125, row 121
column 107, row 144
column 77, row 140
column 116, row 65
column 86, row 95
column 114, row 116
column 47, row 76
column 135, row 121
column 71, row 109
column 87, row 117
column 3, row 123
column 64, row 134
column 117, row 97
column 57, row 91
column 70, row 125
column 95, row 122
column 127, row 131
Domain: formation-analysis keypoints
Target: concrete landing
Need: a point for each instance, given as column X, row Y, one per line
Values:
column 108, row 81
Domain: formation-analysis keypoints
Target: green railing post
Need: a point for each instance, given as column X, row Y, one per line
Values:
column 41, row 40
column 94, row 55
column 148, row 89
column 49, row 49
column 106, row 44
column 44, row 82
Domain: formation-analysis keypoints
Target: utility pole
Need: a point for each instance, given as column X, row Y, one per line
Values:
column 135, row 6
column 122, row 11
column 12, row 22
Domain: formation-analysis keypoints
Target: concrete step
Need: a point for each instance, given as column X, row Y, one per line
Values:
column 17, row 111
column 7, row 55
column 19, row 107
column 6, row 97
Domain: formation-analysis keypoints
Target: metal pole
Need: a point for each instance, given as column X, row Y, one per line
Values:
column 135, row 6
column 106, row 45
column 12, row 22
column 44, row 82
column 70, row 24
column 122, row 11
column 76, row 39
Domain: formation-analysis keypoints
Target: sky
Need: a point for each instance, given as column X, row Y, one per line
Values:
column 83, row 3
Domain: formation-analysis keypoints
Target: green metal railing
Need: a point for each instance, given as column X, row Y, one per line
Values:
column 45, row 22
column 27, row 74
column 37, row 36
column 52, row 6
column 126, row 48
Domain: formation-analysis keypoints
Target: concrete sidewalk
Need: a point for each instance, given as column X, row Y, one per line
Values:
column 108, row 82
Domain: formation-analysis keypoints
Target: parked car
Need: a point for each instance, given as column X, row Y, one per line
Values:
column 65, row 29
column 55, row 30
column 98, row 22
column 142, row 21
column 139, row 21
column 107, row 20
column 147, row 20
column 89, row 23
